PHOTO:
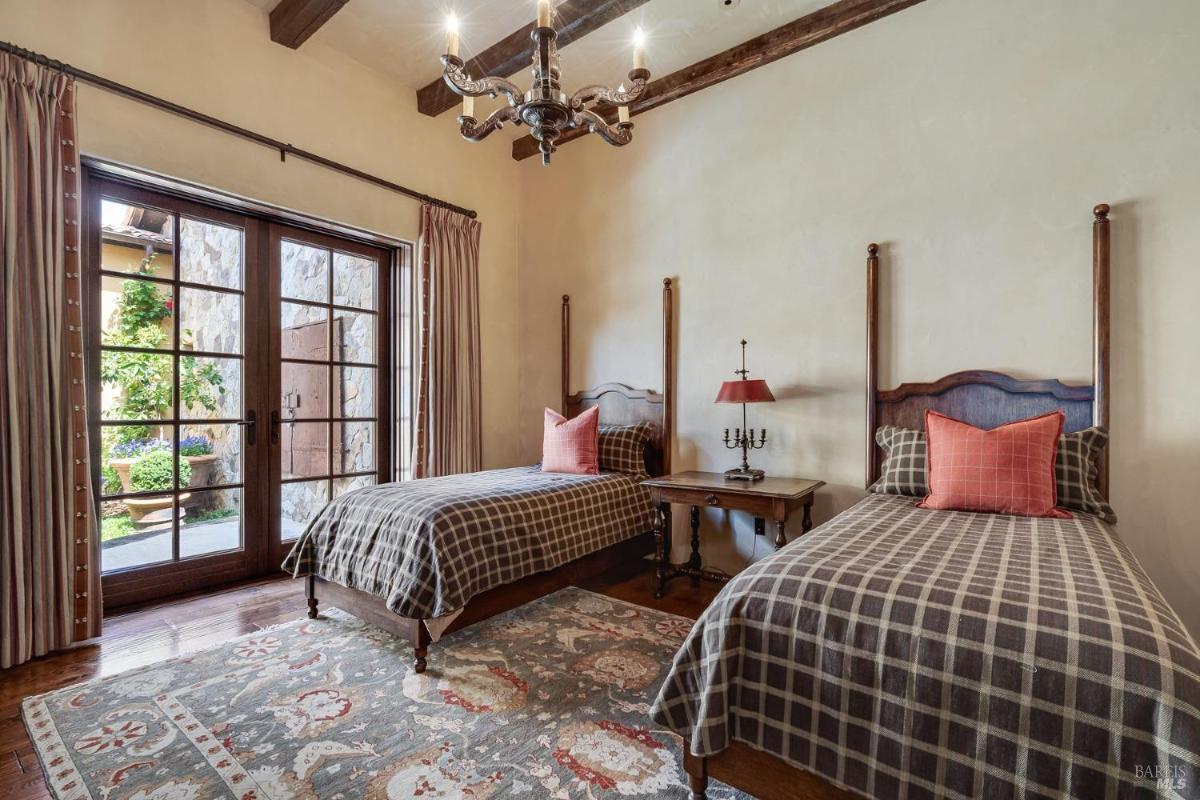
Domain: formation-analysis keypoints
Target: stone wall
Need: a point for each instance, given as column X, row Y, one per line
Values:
column 213, row 255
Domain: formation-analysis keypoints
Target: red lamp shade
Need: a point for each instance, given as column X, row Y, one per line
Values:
column 745, row 391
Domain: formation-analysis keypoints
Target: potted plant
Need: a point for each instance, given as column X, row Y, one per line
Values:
column 152, row 472
column 198, row 452
column 123, row 455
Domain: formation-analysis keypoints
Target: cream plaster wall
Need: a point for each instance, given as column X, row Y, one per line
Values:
column 972, row 139
column 216, row 56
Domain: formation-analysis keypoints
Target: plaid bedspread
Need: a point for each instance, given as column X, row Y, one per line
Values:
column 900, row 652
column 428, row 546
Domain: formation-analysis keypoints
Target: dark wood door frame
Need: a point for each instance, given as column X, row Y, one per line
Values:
column 262, row 552
column 140, row 583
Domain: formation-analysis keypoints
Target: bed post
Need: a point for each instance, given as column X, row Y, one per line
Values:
column 872, row 356
column 310, row 591
column 566, row 352
column 1100, row 330
column 668, row 382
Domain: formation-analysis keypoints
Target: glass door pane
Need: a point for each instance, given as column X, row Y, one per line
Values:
column 172, row 379
column 328, row 334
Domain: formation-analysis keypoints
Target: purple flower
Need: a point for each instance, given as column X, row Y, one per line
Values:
column 195, row 446
column 138, row 447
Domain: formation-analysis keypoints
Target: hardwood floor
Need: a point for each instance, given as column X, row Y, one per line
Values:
column 157, row 632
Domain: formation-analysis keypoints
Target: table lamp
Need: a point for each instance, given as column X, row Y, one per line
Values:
column 745, row 391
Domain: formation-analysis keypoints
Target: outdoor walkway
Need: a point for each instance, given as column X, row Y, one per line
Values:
column 198, row 539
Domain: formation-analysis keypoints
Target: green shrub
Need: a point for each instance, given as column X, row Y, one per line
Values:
column 152, row 472
column 110, row 480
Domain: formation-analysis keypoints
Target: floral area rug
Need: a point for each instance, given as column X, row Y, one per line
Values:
column 549, row 700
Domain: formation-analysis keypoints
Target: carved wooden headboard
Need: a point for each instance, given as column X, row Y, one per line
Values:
column 987, row 399
column 623, row 405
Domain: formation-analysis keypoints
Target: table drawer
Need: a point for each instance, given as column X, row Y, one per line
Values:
column 759, row 506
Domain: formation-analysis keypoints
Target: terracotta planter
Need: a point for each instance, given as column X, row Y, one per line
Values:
column 202, row 470
column 142, row 507
column 202, row 475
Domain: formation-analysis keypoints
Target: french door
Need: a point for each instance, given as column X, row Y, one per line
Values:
column 235, row 378
column 329, row 395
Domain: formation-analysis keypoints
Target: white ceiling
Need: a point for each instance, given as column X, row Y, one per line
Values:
column 404, row 38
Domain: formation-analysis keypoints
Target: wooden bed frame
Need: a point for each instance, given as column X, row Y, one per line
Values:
column 982, row 398
column 619, row 405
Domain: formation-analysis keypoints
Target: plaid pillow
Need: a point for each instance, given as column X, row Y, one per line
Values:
column 623, row 448
column 1076, row 469
column 904, row 454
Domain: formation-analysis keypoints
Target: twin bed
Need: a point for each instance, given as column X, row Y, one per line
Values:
column 424, row 558
column 901, row 652
column 892, row 652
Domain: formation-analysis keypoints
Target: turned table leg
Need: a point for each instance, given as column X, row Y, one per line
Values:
column 694, row 560
column 780, row 533
column 663, row 570
column 806, row 523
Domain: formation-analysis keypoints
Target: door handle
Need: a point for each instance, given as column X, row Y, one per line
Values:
column 250, row 423
column 274, row 427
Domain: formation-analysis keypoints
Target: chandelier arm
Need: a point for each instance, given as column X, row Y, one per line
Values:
column 470, row 130
column 604, row 94
column 617, row 134
column 461, row 83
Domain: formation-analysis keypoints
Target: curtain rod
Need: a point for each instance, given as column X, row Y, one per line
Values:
column 284, row 149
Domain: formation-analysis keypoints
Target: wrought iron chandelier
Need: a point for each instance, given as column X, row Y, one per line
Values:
column 545, row 108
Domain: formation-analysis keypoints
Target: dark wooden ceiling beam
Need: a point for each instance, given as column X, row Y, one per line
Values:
column 293, row 21
column 573, row 20
column 811, row 29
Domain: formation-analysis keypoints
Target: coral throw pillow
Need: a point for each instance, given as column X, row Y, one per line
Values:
column 1007, row 470
column 571, row 445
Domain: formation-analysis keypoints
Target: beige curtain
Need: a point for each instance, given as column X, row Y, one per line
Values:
column 49, row 556
column 448, row 428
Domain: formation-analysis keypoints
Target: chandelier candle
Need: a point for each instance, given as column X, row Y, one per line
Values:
column 452, row 35
column 745, row 391
column 545, row 107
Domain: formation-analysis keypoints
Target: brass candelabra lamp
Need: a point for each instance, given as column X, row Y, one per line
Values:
column 745, row 390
